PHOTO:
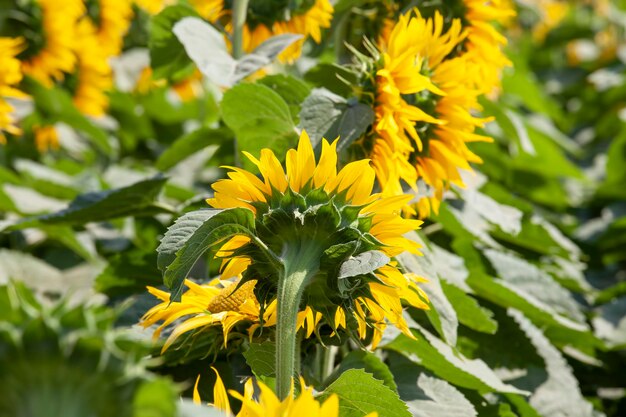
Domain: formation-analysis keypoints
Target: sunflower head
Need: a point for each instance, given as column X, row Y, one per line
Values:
column 48, row 28
column 327, row 229
column 425, row 103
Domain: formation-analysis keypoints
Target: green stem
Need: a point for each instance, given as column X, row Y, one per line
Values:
column 300, row 266
column 240, row 8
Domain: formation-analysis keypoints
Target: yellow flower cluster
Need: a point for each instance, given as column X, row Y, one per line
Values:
column 429, row 77
column 73, row 45
column 10, row 76
column 308, row 23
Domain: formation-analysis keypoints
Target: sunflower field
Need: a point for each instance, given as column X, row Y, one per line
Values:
column 312, row 208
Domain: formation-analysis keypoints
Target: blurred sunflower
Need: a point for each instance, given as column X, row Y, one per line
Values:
column 484, row 43
column 269, row 405
column 46, row 137
column 49, row 28
column 270, row 18
column 548, row 14
column 153, row 6
column 93, row 76
column 111, row 19
column 10, row 76
column 424, row 108
column 315, row 218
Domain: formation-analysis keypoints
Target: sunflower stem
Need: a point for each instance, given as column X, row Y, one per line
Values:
column 240, row 9
column 300, row 262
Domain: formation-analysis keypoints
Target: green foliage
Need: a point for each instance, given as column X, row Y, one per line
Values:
column 360, row 393
column 260, row 119
column 260, row 358
column 194, row 234
column 327, row 115
column 167, row 55
column 61, row 360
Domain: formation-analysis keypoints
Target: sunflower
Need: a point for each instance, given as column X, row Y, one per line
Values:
column 266, row 19
column 112, row 19
column 484, row 43
column 10, row 76
column 46, row 137
column 50, row 52
column 153, row 6
column 269, row 405
column 314, row 228
column 218, row 303
column 93, row 77
column 425, row 101
column 349, row 190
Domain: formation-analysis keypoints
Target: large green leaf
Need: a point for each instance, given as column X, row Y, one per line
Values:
column 327, row 115
column 504, row 294
column 534, row 284
column 560, row 394
column 134, row 200
column 261, row 358
column 167, row 55
column 47, row 180
column 445, row 362
column 442, row 314
column 193, row 235
column 178, row 234
column 207, row 48
column 610, row 323
column 359, row 394
column 369, row 362
column 291, row 89
column 469, row 311
column 426, row 395
column 260, row 119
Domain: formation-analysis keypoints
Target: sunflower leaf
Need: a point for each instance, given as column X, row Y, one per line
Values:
column 427, row 395
column 260, row 119
column 260, row 358
column 167, row 55
column 360, row 393
column 326, row 115
column 293, row 90
column 368, row 361
column 560, row 394
column 445, row 362
column 263, row 55
column 137, row 199
column 191, row 237
column 206, row 47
